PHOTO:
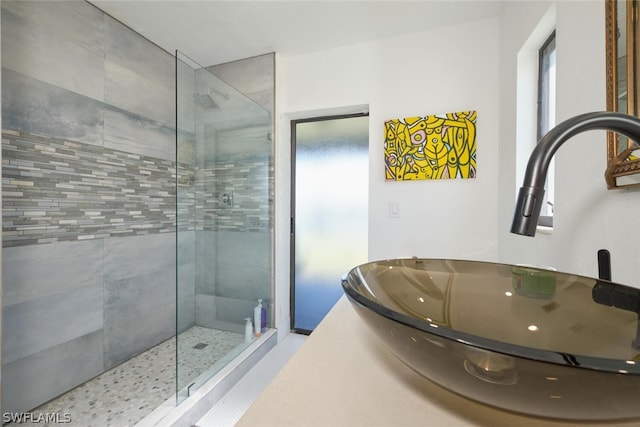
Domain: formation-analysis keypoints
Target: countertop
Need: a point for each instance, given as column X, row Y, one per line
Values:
column 344, row 376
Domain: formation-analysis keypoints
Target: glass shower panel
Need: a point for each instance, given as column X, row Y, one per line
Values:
column 224, row 178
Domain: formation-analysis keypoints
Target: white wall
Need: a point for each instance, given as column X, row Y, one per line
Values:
column 471, row 66
column 443, row 70
column 587, row 216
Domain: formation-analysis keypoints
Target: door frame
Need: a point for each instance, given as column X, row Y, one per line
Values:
column 292, row 221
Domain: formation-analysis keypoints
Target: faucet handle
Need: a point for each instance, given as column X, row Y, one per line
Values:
column 604, row 264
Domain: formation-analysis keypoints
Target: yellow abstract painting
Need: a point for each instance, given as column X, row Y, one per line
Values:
column 440, row 146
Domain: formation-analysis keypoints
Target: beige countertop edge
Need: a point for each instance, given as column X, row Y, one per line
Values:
column 344, row 376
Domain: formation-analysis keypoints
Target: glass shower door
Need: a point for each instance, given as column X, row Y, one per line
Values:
column 224, row 178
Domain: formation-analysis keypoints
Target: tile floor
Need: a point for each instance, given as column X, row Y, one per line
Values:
column 127, row 393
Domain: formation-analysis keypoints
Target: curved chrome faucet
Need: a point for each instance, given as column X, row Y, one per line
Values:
column 527, row 211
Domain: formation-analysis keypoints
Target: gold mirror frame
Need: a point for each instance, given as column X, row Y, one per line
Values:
column 621, row 162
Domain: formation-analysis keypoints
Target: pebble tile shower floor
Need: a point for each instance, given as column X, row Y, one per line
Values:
column 127, row 393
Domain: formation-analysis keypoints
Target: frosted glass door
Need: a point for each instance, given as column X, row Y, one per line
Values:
column 330, row 217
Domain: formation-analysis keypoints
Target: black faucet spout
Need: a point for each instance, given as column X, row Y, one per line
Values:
column 529, row 203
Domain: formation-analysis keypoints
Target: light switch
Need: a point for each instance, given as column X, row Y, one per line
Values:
column 394, row 210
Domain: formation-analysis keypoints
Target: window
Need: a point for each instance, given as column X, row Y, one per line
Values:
column 546, row 116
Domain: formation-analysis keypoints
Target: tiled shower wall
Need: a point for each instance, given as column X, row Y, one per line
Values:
column 88, row 195
column 235, row 246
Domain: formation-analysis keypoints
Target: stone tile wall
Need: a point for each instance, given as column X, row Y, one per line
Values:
column 89, row 198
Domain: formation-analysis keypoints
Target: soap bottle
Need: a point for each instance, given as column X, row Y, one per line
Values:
column 263, row 320
column 257, row 318
column 248, row 330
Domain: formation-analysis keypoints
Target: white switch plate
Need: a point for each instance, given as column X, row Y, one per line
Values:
column 394, row 210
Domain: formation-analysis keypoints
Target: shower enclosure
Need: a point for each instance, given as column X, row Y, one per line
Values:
column 224, row 176
column 89, row 188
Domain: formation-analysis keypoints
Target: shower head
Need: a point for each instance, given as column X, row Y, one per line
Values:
column 212, row 91
column 205, row 101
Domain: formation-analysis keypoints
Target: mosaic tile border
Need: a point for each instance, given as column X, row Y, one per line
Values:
column 58, row 190
column 251, row 186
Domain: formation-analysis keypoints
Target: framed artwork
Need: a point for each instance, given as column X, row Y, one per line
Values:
column 439, row 146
